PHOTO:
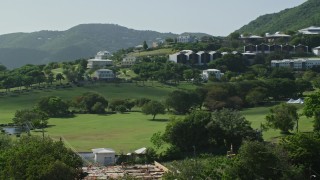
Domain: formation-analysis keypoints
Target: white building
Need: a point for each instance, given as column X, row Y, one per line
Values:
column 190, row 57
column 99, row 63
column 211, row 72
column 277, row 35
column 180, row 57
column 296, row 63
column 104, row 156
column 185, row 39
column 128, row 61
column 310, row 30
column 104, row 74
column 316, row 51
column 103, row 55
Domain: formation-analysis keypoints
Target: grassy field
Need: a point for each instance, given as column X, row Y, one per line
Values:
column 123, row 132
column 257, row 116
column 153, row 53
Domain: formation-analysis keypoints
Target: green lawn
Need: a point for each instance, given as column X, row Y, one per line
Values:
column 122, row 132
column 153, row 52
column 257, row 116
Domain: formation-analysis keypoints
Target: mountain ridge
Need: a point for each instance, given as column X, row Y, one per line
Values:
column 81, row 41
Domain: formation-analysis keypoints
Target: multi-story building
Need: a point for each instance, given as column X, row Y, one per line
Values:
column 100, row 61
column 276, row 36
column 128, row 61
column 190, row 57
column 298, row 64
column 185, row 39
column 310, row 30
column 265, row 48
column 103, row 55
column 104, row 74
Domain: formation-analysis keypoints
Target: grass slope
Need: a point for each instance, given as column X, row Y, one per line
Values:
column 164, row 51
column 122, row 132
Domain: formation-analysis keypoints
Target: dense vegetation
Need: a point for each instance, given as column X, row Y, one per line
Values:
column 37, row 158
column 293, row 19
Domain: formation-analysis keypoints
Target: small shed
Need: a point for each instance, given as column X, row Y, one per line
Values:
column 104, row 156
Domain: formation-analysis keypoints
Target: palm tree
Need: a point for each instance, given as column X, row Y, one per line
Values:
column 59, row 77
column 50, row 78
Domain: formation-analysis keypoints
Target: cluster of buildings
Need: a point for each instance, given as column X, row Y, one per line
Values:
column 100, row 63
column 273, row 37
column 268, row 37
column 265, row 48
column 199, row 58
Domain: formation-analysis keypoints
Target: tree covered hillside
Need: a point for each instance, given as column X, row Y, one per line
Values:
column 302, row 16
column 82, row 41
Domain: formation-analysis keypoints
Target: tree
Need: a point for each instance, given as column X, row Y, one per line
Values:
column 50, row 78
column 5, row 142
column 145, row 45
column 282, row 72
column 3, row 68
column 189, row 132
column 54, row 106
column 121, row 108
column 153, row 108
column 142, row 101
column 234, row 63
column 98, row 108
column 59, row 77
column 256, row 96
column 87, row 101
column 302, row 86
column 222, row 96
column 188, row 74
column 283, row 117
column 256, row 160
column 180, row 101
column 201, row 94
column 207, row 167
column 29, row 118
column 281, row 88
column 39, row 158
column 229, row 127
column 312, row 109
column 303, row 149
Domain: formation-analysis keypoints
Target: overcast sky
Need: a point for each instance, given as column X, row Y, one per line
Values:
column 215, row 17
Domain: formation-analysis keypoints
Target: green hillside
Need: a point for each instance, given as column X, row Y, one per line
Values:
column 82, row 41
column 305, row 15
